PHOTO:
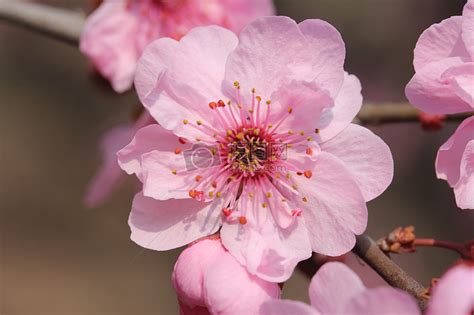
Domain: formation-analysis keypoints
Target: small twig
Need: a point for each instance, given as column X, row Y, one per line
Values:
column 461, row 249
column 62, row 24
column 376, row 114
column 369, row 251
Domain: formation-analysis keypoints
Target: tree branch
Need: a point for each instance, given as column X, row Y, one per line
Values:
column 368, row 251
column 376, row 114
column 61, row 24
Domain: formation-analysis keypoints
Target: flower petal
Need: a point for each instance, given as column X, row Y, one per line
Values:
column 451, row 152
column 383, row 301
column 430, row 93
column 461, row 78
column 226, row 276
column 109, row 174
column 328, row 52
column 454, row 292
column 286, row 307
column 464, row 189
column 468, row 27
column 108, row 40
column 440, row 41
column 262, row 59
column 189, row 270
column 164, row 225
column 147, row 139
column 347, row 104
column 366, row 156
column 266, row 250
column 333, row 286
column 335, row 209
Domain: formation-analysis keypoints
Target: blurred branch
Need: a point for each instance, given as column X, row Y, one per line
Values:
column 62, row 24
column 370, row 252
column 376, row 114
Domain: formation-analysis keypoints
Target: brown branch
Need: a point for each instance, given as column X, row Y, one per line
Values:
column 61, row 24
column 369, row 252
column 376, row 114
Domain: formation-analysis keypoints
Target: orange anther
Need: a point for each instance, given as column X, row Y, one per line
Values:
column 178, row 150
column 308, row 174
column 309, row 151
column 242, row 220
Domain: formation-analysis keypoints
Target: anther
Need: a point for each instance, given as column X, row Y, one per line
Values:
column 221, row 103
column 218, row 194
column 296, row 212
column 174, row 172
column 212, row 105
column 308, row 174
column 268, row 102
column 177, row 151
column 185, row 121
column 301, row 133
column 264, row 205
column 214, row 184
column 299, row 173
column 198, row 178
column 182, row 140
column 290, row 110
column 269, row 194
column 304, row 199
column 309, row 139
column 309, row 151
column 227, row 212
column 242, row 220
column 316, row 130
column 199, row 123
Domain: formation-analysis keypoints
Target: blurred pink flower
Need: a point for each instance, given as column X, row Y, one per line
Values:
column 109, row 175
column 208, row 280
column 117, row 32
column 278, row 165
column 444, row 84
column 336, row 289
column 453, row 294
column 444, row 65
column 455, row 163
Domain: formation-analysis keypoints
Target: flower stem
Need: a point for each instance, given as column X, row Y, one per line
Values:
column 459, row 248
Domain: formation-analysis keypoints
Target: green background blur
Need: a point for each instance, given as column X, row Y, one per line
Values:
column 59, row 258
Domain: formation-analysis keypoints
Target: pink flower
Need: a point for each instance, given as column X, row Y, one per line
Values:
column 454, row 293
column 269, row 145
column 117, row 32
column 455, row 163
column 444, row 84
column 336, row 289
column 109, row 175
column 444, row 65
column 208, row 280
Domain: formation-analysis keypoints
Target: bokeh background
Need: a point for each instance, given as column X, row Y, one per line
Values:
column 58, row 257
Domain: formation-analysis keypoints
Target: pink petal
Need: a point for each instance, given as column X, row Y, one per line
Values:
column 440, row 41
column 245, row 11
column 108, row 40
column 266, row 250
column 230, row 289
column 286, row 307
column 366, row 156
column 154, row 61
column 347, row 104
column 164, row 225
column 306, row 101
column 109, row 174
column 335, row 209
column 450, row 153
column 453, row 294
column 430, row 93
column 464, row 189
column 333, row 286
column 170, row 93
column 383, row 301
column 328, row 52
column 468, row 27
column 261, row 60
column 461, row 79
column 189, row 270
column 147, row 139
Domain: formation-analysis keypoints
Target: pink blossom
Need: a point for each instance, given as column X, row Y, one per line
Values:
column 269, row 144
column 455, row 163
column 444, row 65
column 109, row 175
column 336, row 289
column 208, row 280
column 117, row 32
column 453, row 294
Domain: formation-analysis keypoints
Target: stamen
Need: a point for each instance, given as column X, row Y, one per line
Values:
column 308, row 174
column 178, row 151
column 242, row 220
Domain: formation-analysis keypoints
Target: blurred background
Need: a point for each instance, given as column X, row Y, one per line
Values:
column 58, row 257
